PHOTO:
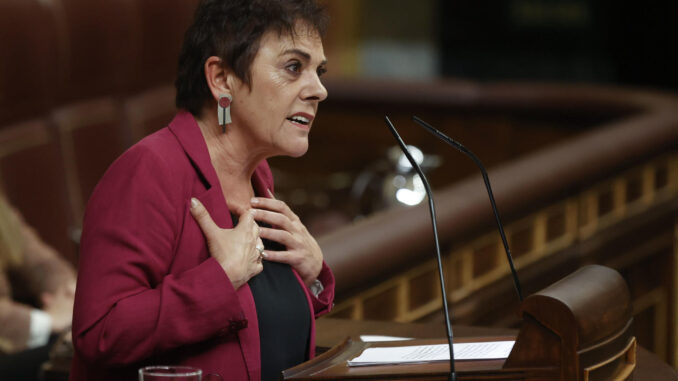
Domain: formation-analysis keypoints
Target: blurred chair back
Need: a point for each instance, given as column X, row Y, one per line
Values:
column 31, row 176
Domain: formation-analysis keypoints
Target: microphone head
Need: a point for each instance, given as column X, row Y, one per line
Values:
column 401, row 143
column 408, row 155
column 440, row 135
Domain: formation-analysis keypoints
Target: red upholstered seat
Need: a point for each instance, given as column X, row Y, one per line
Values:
column 80, row 81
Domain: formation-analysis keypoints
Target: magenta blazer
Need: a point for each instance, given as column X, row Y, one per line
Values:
column 148, row 291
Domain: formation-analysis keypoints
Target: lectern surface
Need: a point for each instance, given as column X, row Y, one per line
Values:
column 331, row 332
column 332, row 365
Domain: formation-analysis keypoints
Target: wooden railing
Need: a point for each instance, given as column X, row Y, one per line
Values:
column 480, row 261
column 608, row 195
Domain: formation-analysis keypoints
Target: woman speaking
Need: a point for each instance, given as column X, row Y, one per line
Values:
column 187, row 258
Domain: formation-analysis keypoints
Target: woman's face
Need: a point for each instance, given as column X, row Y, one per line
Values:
column 277, row 110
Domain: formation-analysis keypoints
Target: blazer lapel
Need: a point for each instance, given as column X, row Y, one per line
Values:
column 186, row 130
column 261, row 180
column 188, row 133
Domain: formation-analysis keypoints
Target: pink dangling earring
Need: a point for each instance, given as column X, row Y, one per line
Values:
column 224, row 110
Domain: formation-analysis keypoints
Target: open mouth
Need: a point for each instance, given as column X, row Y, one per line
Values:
column 299, row 120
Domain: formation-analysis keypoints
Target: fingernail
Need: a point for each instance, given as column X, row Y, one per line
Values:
column 194, row 202
column 254, row 200
column 264, row 255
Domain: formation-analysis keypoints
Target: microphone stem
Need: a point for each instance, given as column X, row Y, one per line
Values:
column 460, row 147
column 441, row 276
column 450, row 340
column 519, row 291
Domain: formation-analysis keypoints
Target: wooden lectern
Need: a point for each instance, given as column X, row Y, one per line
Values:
column 578, row 329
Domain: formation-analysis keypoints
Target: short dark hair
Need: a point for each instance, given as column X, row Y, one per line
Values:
column 232, row 31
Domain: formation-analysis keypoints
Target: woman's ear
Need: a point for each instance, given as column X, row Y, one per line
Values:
column 219, row 79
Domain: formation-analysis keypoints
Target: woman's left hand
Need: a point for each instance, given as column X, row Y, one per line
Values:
column 303, row 252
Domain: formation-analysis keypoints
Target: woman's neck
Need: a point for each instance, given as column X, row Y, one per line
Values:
column 234, row 160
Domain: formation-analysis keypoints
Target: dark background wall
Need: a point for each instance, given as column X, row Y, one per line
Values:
column 606, row 41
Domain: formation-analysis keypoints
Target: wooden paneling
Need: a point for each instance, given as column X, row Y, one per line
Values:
column 633, row 234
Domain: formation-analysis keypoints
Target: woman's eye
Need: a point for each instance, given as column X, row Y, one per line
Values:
column 321, row 71
column 294, row 67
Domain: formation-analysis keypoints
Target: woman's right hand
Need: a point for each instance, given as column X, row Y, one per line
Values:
column 235, row 249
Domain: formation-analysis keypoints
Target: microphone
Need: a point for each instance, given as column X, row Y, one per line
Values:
column 432, row 209
column 467, row 152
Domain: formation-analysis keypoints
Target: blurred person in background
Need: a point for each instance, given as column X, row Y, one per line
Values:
column 37, row 287
column 186, row 256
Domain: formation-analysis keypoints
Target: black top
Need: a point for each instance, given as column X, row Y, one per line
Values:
column 283, row 315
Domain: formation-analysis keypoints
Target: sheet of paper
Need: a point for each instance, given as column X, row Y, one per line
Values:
column 427, row 353
column 376, row 338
